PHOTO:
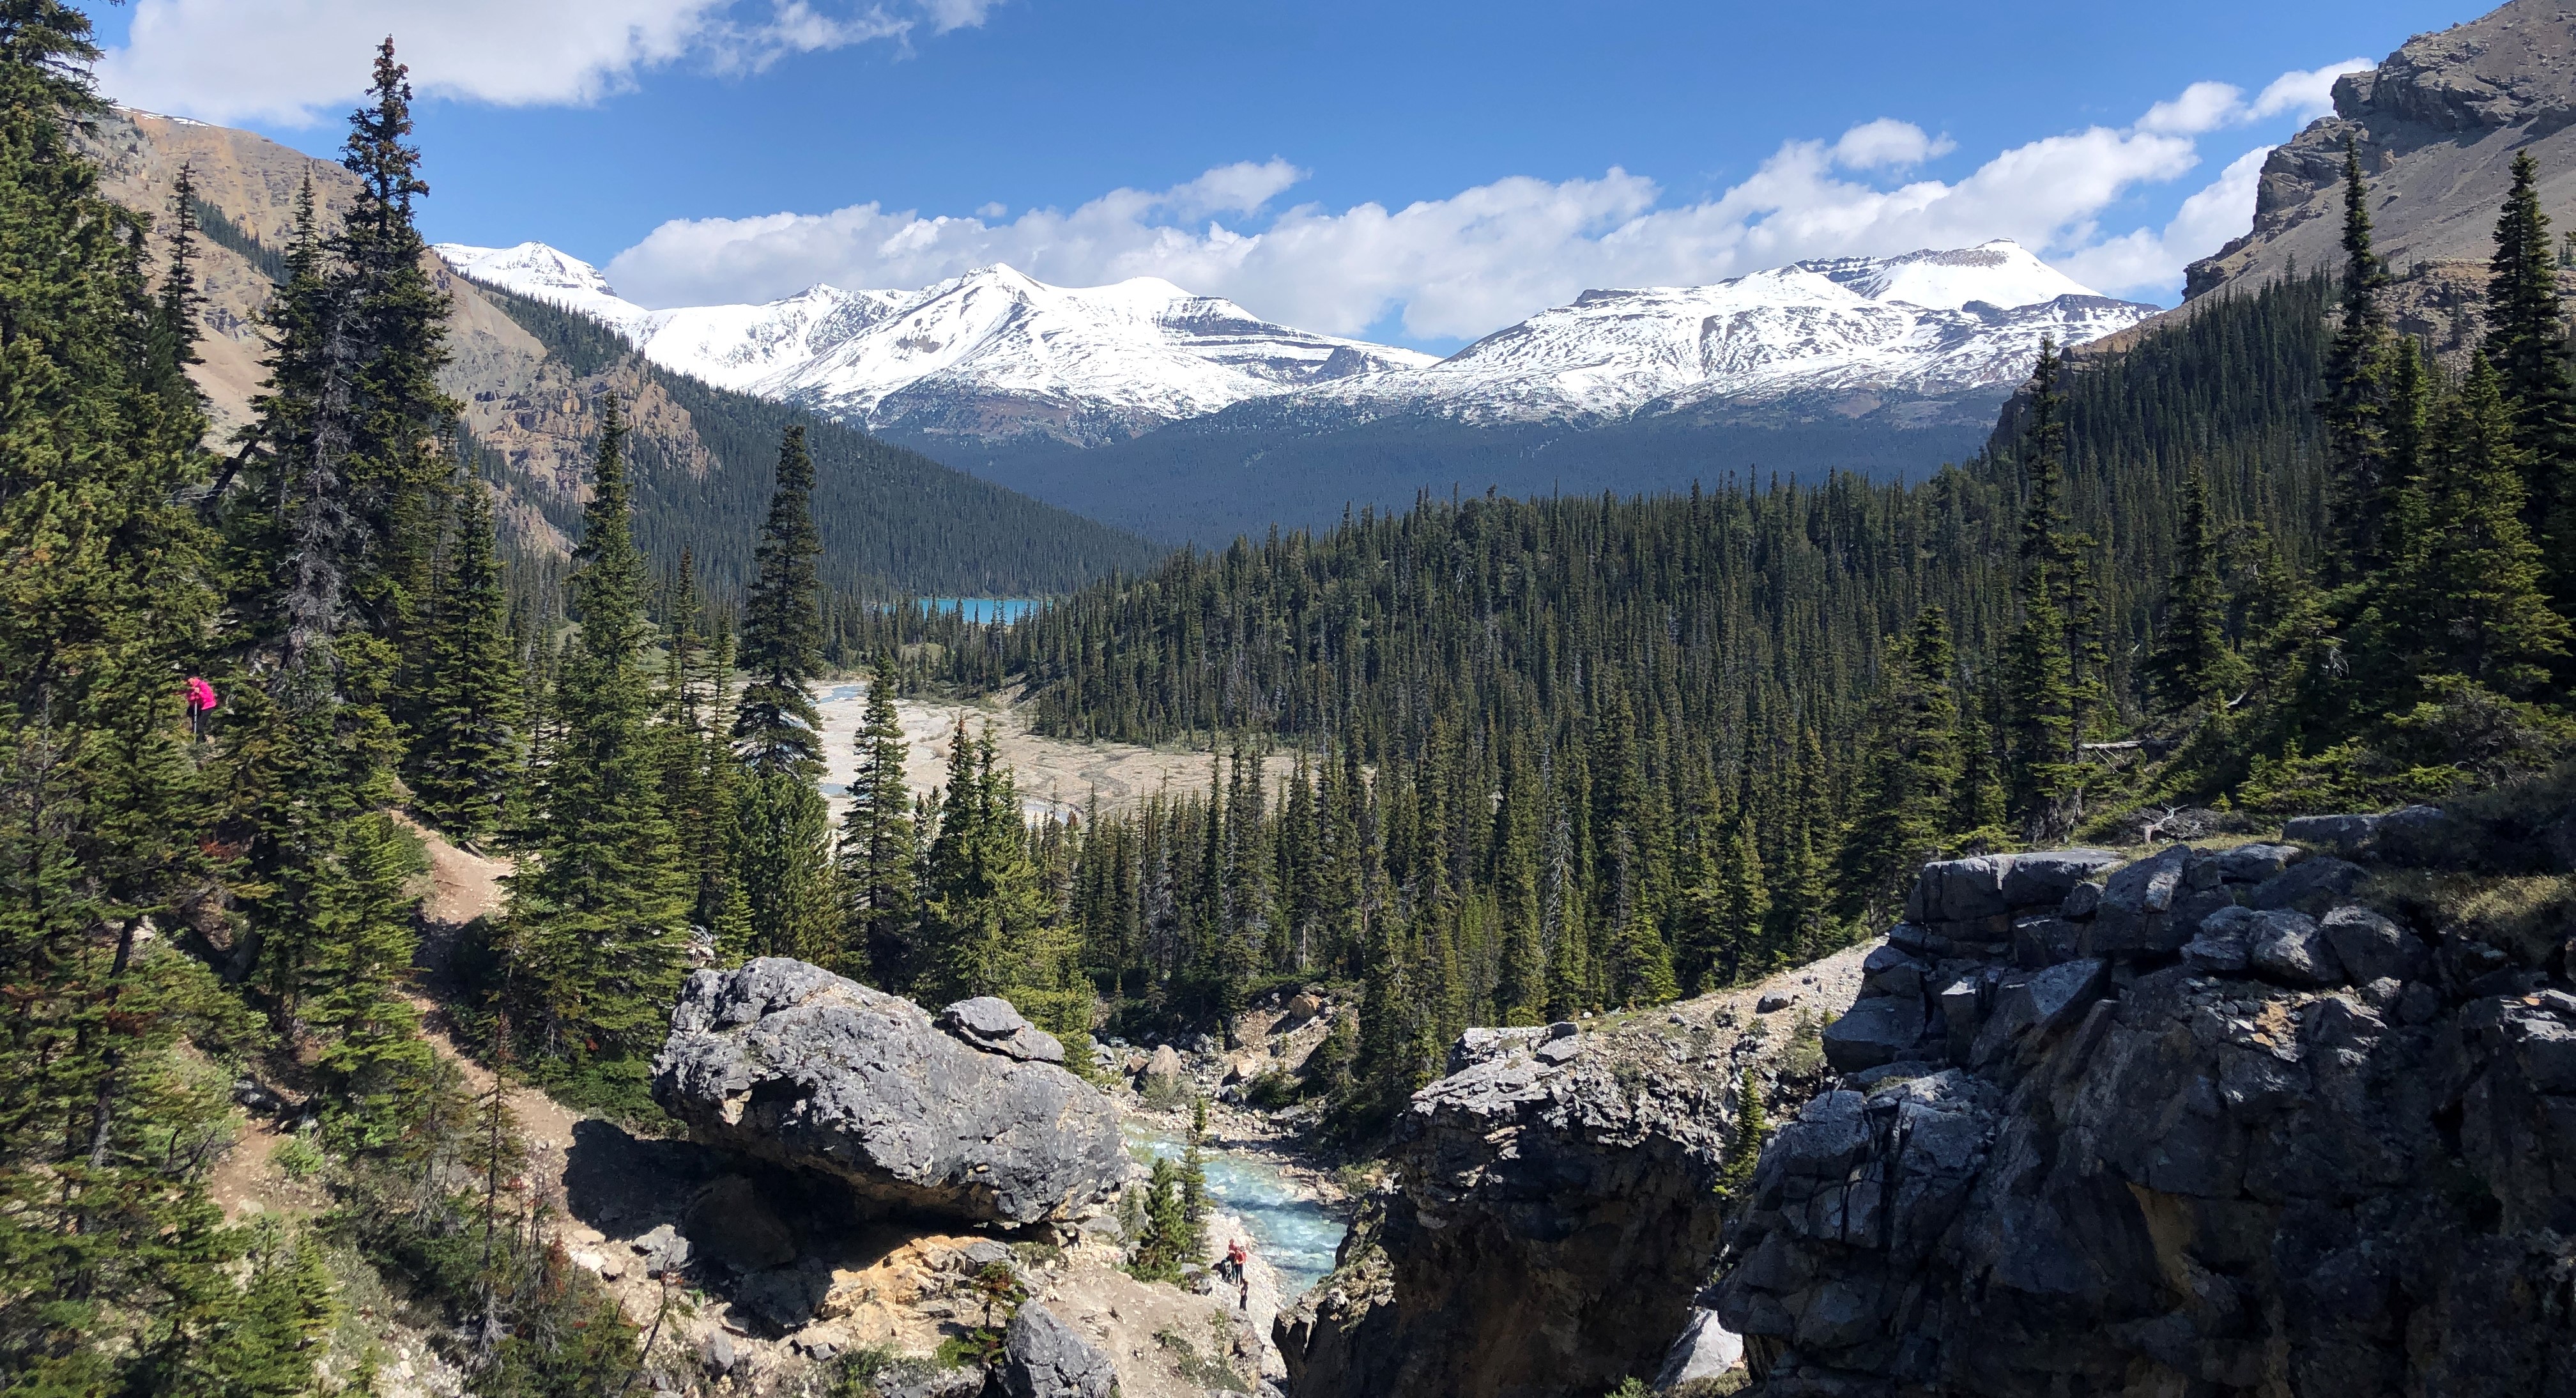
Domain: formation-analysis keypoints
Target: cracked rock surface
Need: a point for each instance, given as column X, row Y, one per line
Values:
column 787, row 1062
column 2256, row 1137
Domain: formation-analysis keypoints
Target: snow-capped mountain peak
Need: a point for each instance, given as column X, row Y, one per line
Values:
column 1835, row 335
column 997, row 354
column 993, row 352
column 546, row 274
column 1999, row 272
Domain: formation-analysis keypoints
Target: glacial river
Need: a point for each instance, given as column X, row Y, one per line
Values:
column 1290, row 1229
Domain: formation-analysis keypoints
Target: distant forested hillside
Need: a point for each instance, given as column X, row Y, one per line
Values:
column 893, row 521
column 1253, row 466
column 1742, row 593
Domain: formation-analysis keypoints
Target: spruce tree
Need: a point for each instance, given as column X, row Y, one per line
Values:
column 463, row 747
column 983, row 913
column 2192, row 666
column 1910, row 769
column 373, row 1060
column 876, row 849
column 2359, row 487
column 1641, row 968
column 783, row 861
column 2527, row 345
column 1520, row 987
column 597, row 938
column 2054, row 659
column 393, row 323
column 775, row 727
column 1743, row 903
column 2465, row 594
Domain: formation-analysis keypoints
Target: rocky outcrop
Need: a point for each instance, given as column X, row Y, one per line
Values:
column 2209, row 1122
column 1042, row 1357
column 2438, row 125
column 1552, row 1213
column 790, row 1063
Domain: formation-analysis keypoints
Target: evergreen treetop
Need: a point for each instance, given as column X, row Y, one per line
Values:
column 775, row 728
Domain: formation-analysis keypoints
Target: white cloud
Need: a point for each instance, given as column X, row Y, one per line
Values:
column 2201, row 107
column 2156, row 258
column 303, row 60
column 2307, row 95
column 1484, row 257
column 1888, row 144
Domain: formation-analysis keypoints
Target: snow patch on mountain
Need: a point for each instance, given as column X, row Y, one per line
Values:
column 997, row 355
column 1846, row 335
column 993, row 353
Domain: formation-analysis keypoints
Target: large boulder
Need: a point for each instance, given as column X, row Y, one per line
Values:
column 790, row 1063
column 1042, row 1357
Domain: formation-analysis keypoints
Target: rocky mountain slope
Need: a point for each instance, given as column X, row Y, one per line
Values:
column 891, row 518
column 1929, row 336
column 1186, row 418
column 991, row 355
column 2292, row 1116
column 995, row 356
column 2438, row 125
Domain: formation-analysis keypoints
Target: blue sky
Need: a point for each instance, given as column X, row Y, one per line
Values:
column 1238, row 148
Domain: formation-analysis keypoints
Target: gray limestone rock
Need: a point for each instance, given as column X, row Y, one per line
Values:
column 2257, row 862
column 2038, row 1003
column 2082, row 902
column 2345, row 835
column 1889, row 971
column 2045, row 878
column 1876, row 1031
column 991, row 1022
column 666, row 1251
column 2224, row 943
column 2309, row 886
column 1958, row 1003
column 790, row 1063
column 2290, row 949
column 1706, row 1350
column 785, row 1297
column 2137, row 906
column 2045, row 940
column 2370, row 947
column 1042, row 1357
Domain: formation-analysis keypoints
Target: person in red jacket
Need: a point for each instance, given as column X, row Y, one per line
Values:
column 1236, row 1255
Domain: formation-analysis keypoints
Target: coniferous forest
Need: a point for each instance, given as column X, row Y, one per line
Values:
column 1487, row 761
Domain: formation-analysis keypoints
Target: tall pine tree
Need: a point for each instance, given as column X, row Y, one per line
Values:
column 597, row 937
column 464, row 740
column 2358, row 483
column 775, row 727
column 876, row 850
column 2527, row 345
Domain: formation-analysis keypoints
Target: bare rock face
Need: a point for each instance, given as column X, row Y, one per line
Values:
column 2437, row 126
column 1552, row 1219
column 2258, row 1138
column 1042, row 1357
column 790, row 1063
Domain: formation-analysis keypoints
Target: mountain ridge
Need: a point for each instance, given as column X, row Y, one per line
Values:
column 529, row 417
column 992, row 355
